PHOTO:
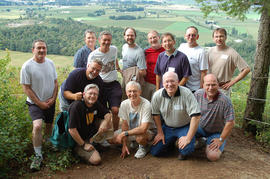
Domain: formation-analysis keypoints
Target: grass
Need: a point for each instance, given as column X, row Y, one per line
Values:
column 18, row 58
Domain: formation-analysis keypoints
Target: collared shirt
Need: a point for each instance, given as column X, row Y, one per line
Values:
column 177, row 110
column 177, row 62
column 214, row 113
column 81, row 56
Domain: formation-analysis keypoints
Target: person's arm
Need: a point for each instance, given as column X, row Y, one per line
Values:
column 76, row 136
column 142, row 73
column 203, row 73
column 160, row 134
column 239, row 77
column 185, row 140
column 118, row 67
column 158, row 79
column 31, row 94
column 216, row 143
column 52, row 100
column 73, row 96
column 125, row 150
column 183, row 81
column 136, row 131
column 106, row 123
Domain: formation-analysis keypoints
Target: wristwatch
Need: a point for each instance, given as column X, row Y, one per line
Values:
column 126, row 133
column 220, row 139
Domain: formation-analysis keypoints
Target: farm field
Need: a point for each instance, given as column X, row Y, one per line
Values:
column 172, row 18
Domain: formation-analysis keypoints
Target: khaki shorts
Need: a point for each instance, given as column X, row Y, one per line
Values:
column 150, row 133
column 85, row 155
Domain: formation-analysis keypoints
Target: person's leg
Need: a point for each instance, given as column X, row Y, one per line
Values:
column 49, row 117
column 114, row 98
column 160, row 149
column 91, row 157
column 37, row 136
column 214, row 155
column 182, row 131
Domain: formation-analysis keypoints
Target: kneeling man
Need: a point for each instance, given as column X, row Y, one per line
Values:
column 137, row 124
column 177, row 106
column 217, row 117
column 86, row 118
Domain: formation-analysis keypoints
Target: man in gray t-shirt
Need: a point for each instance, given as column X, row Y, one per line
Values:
column 39, row 80
column 132, row 56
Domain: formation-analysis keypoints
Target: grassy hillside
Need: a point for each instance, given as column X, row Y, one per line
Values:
column 18, row 58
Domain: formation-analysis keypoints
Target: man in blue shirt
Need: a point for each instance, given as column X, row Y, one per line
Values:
column 171, row 60
column 81, row 56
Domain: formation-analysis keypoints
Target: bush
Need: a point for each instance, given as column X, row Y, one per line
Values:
column 15, row 123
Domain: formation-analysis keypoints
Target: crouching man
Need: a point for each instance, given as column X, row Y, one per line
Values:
column 86, row 118
column 217, row 117
column 137, row 125
column 177, row 106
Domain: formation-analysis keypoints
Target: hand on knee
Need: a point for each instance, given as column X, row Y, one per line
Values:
column 95, row 159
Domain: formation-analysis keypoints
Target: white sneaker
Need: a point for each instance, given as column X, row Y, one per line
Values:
column 142, row 151
column 105, row 143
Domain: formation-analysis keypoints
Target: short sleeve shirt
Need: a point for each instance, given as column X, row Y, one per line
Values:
column 108, row 72
column 77, row 81
column 214, row 114
column 135, row 117
column 222, row 63
column 133, row 57
column 81, row 56
column 41, row 77
column 86, row 119
column 198, row 61
column 177, row 110
column 177, row 62
column 151, row 56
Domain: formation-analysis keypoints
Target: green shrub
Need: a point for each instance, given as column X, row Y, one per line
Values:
column 15, row 123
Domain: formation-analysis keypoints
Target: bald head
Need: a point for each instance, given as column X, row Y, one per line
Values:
column 210, row 85
column 170, row 74
column 211, row 77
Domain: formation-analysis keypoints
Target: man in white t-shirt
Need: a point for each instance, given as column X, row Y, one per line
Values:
column 197, row 58
column 39, row 81
column 111, row 87
column 137, row 123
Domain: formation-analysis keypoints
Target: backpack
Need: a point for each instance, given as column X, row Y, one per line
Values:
column 61, row 138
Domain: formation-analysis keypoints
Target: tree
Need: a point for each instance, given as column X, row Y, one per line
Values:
column 259, row 81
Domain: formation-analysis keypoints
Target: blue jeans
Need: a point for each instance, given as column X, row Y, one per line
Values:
column 171, row 134
column 210, row 137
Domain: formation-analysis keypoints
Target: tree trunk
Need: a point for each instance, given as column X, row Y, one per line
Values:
column 259, row 81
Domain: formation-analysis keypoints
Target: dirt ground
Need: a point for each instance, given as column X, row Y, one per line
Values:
column 243, row 158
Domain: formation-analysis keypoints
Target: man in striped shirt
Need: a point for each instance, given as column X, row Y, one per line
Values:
column 217, row 117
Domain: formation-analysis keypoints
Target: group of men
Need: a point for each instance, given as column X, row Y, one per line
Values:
column 171, row 100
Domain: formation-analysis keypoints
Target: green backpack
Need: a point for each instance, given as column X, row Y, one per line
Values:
column 61, row 138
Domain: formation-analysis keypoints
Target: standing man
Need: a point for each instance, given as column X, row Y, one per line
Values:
column 39, row 80
column 217, row 117
column 132, row 53
column 72, row 88
column 138, row 125
column 177, row 106
column 80, row 58
column 151, row 56
column 197, row 59
column 223, row 61
column 112, row 88
column 86, row 118
column 171, row 60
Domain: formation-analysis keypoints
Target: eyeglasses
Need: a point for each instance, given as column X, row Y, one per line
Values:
column 191, row 35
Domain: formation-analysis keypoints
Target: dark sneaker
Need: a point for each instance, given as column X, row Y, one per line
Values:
column 36, row 163
column 182, row 157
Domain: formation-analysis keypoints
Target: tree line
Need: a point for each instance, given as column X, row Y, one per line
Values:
column 65, row 37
